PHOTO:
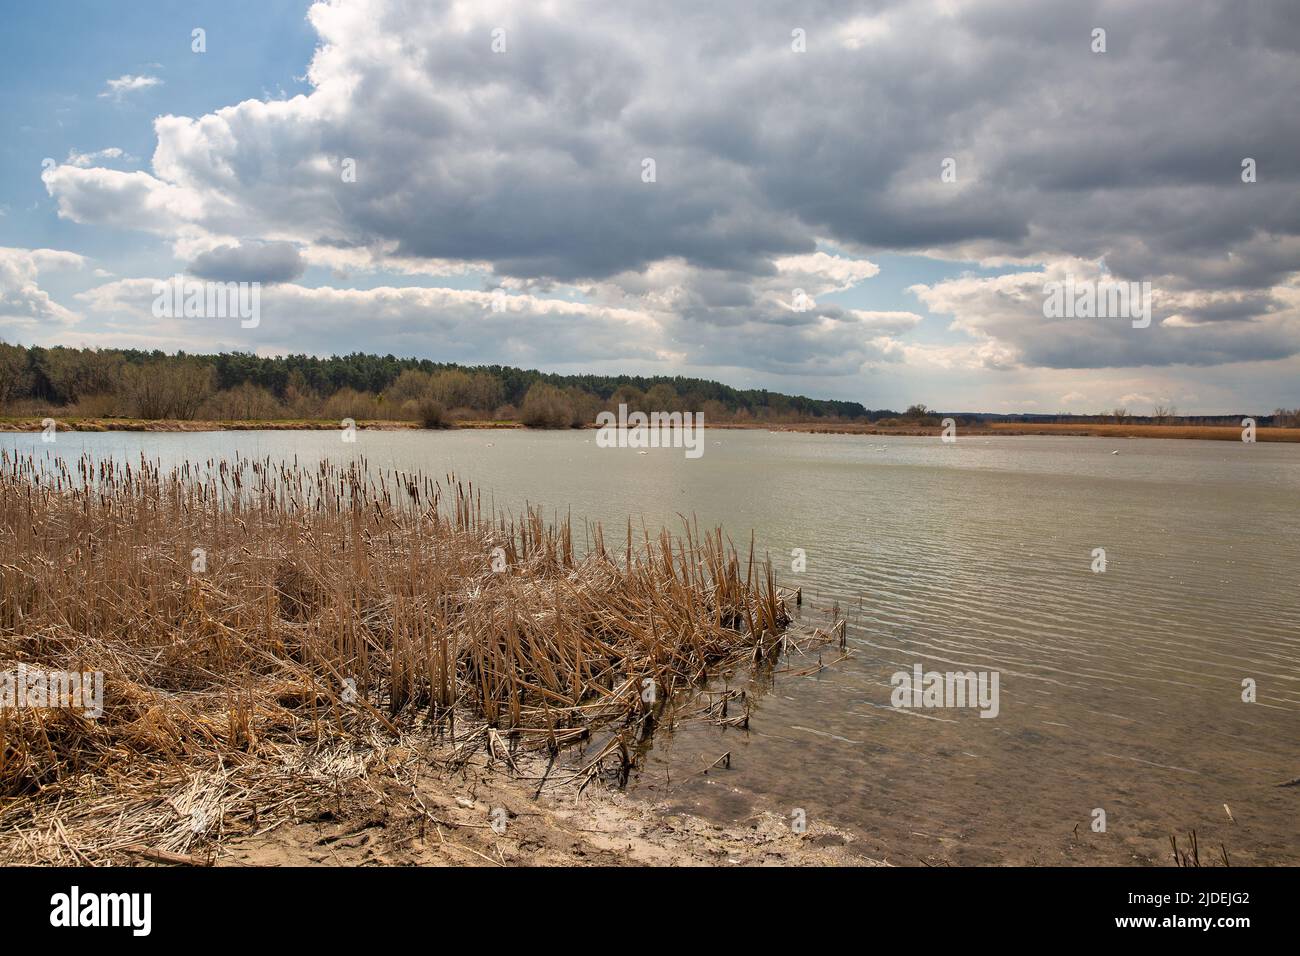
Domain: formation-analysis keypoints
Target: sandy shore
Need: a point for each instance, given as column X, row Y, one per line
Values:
column 481, row 816
column 409, row 803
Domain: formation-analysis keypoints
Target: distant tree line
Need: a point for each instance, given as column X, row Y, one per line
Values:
column 129, row 383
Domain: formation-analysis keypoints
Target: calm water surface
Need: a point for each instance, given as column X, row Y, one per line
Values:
column 1120, row 691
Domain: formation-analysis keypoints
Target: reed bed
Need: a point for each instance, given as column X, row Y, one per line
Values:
column 266, row 630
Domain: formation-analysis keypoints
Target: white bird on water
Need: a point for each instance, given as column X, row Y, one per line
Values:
column 1116, row 452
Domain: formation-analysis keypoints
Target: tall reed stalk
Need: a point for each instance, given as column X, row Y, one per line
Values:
column 238, row 606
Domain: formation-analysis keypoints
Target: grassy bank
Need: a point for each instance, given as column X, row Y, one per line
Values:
column 276, row 640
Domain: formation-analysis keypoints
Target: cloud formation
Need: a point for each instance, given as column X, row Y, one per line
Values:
column 86, row 160
column 24, row 306
column 127, row 83
column 422, row 149
column 268, row 262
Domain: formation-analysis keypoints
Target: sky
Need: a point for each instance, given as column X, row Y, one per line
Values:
column 866, row 201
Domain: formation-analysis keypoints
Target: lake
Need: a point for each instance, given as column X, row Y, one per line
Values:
column 1118, row 690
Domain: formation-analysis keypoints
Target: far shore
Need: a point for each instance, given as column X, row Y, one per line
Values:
column 1097, row 430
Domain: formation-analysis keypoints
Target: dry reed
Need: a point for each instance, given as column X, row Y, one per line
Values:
column 267, row 629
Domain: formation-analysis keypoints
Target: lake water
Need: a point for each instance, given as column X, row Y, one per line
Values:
column 1119, row 691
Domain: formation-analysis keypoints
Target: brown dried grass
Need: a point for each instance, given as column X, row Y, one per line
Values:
column 228, row 690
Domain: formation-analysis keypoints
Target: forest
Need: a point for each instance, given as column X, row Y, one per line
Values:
column 128, row 383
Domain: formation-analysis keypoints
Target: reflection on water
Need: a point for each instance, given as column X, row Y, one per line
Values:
column 1120, row 690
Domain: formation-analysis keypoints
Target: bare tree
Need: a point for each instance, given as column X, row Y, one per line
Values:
column 168, row 388
column 1120, row 414
column 246, row 402
column 411, row 386
column 191, row 382
column 146, row 389
column 546, row 406
column 76, row 374
column 919, row 414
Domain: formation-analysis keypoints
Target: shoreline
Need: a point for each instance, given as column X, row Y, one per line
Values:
column 414, row 812
column 1010, row 429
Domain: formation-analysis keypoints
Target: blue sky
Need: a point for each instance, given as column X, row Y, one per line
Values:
column 56, row 58
column 519, row 170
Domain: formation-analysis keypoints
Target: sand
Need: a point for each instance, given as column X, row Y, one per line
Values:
column 447, row 819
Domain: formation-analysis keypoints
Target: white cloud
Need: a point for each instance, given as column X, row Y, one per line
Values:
column 128, row 200
column 1008, row 309
column 24, row 306
column 85, row 160
column 128, row 83
column 820, row 272
column 457, row 324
